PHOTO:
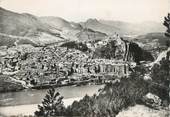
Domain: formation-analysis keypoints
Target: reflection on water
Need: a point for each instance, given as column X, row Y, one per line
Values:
column 36, row 96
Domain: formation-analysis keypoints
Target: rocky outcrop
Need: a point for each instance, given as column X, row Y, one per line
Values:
column 120, row 49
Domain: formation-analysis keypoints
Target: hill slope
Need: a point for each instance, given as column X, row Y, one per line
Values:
column 41, row 30
column 161, row 38
column 19, row 24
column 27, row 26
column 123, row 28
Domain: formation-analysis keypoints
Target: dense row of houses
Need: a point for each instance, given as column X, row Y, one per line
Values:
column 44, row 64
column 102, row 67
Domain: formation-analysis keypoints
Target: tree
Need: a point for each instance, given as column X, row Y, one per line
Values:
column 167, row 25
column 52, row 105
column 83, row 108
column 161, row 72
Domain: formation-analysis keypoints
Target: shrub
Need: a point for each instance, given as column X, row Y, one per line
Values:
column 52, row 105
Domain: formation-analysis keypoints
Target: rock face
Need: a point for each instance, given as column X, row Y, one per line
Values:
column 119, row 49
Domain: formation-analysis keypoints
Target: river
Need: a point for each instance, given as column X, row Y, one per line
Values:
column 27, row 100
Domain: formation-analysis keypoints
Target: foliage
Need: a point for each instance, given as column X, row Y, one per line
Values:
column 52, row 105
column 79, row 46
column 111, row 99
column 138, row 54
column 161, row 72
column 141, row 70
column 82, row 108
column 167, row 25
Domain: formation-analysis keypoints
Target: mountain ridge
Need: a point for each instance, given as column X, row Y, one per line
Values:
column 49, row 29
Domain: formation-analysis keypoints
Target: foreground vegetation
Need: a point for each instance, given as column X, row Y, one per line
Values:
column 112, row 99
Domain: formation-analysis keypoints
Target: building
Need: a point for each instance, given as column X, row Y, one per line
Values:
column 102, row 67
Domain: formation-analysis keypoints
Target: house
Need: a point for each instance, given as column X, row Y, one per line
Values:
column 102, row 67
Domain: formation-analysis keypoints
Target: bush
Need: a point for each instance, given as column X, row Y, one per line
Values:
column 79, row 46
column 161, row 72
column 52, row 105
column 111, row 99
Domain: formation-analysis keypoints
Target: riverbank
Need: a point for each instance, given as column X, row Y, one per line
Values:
column 7, row 84
column 30, row 108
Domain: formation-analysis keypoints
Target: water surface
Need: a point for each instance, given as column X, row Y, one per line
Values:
column 35, row 96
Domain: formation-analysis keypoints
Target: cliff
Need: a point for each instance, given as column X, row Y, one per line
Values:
column 120, row 49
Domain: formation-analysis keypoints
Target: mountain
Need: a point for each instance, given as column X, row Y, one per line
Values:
column 149, row 37
column 59, row 23
column 26, row 26
column 153, row 35
column 123, row 28
column 136, row 28
column 89, row 35
column 20, row 24
column 46, row 30
column 94, row 24
column 39, row 30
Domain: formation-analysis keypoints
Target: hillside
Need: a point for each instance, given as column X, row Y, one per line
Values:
column 136, row 28
column 89, row 35
column 123, row 28
column 94, row 24
column 26, row 26
column 160, row 37
column 59, row 23
column 41, row 30
column 49, row 29
column 20, row 24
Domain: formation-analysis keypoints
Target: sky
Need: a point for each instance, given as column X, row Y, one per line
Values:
column 81, row 10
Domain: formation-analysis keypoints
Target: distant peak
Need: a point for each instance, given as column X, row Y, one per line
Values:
column 92, row 20
column 29, row 15
column 2, row 9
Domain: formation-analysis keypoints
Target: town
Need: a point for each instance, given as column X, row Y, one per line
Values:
column 53, row 65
